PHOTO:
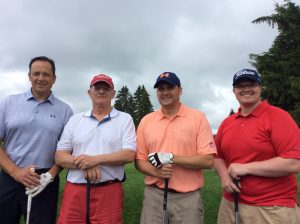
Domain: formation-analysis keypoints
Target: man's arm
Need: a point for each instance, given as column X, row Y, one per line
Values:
column 275, row 167
column 23, row 175
column 194, row 162
column 54, row 170
column 226, row 181
column 112, row 159
column 64, row 159
column 162, row 172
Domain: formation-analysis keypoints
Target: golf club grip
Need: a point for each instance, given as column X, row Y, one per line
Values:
column 88, row 193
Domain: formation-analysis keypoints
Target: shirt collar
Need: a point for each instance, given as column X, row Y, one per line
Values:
column 114, row 113
column 29, row 96
column 180, row 113
column 257, row 111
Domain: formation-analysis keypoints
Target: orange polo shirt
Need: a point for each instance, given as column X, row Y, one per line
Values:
column 188, row 133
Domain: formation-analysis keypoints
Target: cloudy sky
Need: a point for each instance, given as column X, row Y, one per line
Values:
column 203, row 42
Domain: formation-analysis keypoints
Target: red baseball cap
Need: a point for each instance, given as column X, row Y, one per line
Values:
column 102, row 78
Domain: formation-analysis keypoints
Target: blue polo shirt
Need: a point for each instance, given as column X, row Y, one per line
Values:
column 31, row 129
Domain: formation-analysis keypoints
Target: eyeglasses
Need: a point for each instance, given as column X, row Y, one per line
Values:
column 246, row 85
column 101, row 87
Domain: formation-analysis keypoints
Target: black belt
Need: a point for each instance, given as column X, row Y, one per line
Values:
column 169, row 189
column 42, row 170
column 101, row 184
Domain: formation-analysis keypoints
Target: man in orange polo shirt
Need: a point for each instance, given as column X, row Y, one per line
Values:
column 174, row 142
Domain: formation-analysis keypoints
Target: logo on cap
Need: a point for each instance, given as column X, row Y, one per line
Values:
column 168, row 77
column 164, row 75
column 246, row 73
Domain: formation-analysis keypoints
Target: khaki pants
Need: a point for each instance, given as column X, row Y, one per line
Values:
column 258, row 214
column 183, row 208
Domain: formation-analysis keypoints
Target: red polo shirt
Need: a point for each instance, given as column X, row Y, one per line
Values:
column 266, row 133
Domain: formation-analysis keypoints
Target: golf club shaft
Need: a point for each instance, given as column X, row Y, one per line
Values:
column 88, row 193
column 165, row 213
column 236, row 203
column 28, row 209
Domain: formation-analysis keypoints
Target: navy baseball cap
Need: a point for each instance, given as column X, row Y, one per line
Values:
column 246, row 73
column 168, row 77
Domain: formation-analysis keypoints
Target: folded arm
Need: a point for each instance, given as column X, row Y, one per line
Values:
column 194, row 162
column 275, row 167
column 112, row 159
column 162, row 172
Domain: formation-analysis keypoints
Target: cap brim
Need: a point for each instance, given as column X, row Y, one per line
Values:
column 164, row 81
column 102, row 81
column 245, row 76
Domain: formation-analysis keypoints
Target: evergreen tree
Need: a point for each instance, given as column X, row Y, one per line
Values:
column 280, row 66
column 142, row 104
column 231, row 112
column 124, row 101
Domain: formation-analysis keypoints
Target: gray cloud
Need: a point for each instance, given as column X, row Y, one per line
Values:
column 133, row 41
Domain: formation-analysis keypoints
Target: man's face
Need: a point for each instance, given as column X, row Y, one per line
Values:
column 41, row 77
column 247, row 92
column 101, row 93
column 168, row 95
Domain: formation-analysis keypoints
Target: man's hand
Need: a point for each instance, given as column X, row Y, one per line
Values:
column 160, row 158
column 237, row 170
column 165, row 171
column 228, row 184
column 85, row 162
column 26, row 176
column 92, row 174
column 46, row 178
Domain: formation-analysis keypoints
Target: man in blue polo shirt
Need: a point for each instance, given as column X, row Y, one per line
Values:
column 30, row 126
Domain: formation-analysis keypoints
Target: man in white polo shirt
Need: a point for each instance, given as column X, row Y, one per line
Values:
column 94, row 146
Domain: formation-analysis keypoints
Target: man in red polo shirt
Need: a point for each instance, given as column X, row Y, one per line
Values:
column 260, row 147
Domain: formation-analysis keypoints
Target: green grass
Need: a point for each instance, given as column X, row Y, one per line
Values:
column 134, row 187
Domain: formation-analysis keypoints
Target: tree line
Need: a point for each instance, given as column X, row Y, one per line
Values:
column 137, row 105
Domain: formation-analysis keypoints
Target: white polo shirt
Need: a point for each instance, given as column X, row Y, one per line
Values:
column 84, row 134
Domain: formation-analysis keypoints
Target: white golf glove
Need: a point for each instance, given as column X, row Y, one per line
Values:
column 160, row 158
column 46, row 178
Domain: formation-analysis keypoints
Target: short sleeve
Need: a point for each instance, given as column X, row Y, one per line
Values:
column 129, row 136
column 65, row 142
column 205, row 140
column 2, row 117
column 142, row 151
column 218, row 141
column 285, row 135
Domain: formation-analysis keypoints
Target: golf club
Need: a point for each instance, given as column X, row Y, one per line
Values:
column 236, row 203
column 29, row 200
column 28, row 208
column 165, row 213
column 88, row 191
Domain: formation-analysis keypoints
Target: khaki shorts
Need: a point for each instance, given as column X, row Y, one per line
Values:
column 183, row 208
column 258, row 214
